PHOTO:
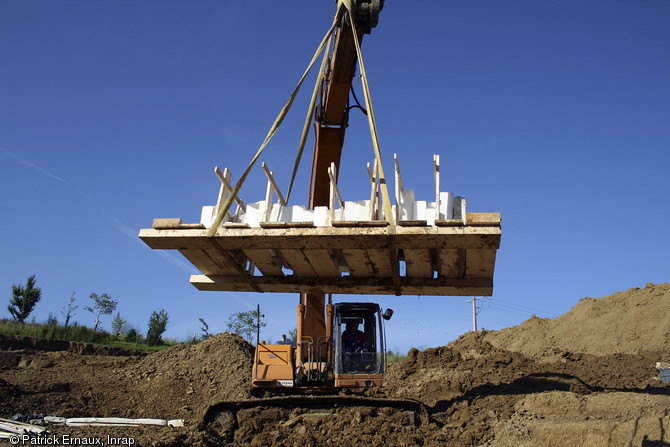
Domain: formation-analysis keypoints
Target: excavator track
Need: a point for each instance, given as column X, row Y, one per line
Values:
column 221, row 420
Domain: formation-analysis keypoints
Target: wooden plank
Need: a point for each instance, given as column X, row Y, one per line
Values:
column 484, row 237
column 418, row 263
column 451, row 263
column 174, row 223
column 483, row 218
column 449, row 223
column 360, row 223
column 359, row 262
column 479, row 263
column 297, row 262
column 349, row 285
column 171, row 222
column 286, row 224
column 381, row 264
column 203, row 261
column 322, row 263
column 266, row 261
column 412, row 223
column 235, row 225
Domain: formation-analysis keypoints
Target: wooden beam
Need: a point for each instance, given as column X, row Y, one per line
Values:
column 451, row 262
column 296, row 260
column 359, row 262
column 483, row 219
column 349, row 285
column 418, row 263
column 479, row 263
column 174, row 223
column 322, row 263
column 266, row 261
column 436, row 169
column 480, row 237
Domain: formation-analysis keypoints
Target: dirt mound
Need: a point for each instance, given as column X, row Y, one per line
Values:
column 629, row 322
column 13, row 343
column 215, row 370
column 474, row 389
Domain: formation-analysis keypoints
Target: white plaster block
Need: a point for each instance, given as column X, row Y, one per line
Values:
column 355, row 211
column 419, row 209
column 407, row 204
column 430, row 213
column 207, row 216
column 446, row 205
column 274, row 214
column 255, row 213
column 321, row 216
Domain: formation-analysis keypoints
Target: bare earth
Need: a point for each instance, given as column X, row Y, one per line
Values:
column 585, row 378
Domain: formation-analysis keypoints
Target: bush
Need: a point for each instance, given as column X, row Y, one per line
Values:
column 133, row 336
column 157, row 325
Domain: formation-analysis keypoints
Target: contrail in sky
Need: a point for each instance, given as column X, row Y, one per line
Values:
column 116, row 222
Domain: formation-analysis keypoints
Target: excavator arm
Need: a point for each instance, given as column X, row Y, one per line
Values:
column 331, row 115
column 330, row 124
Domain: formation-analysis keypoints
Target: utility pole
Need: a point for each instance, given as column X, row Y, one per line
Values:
column 474, row 311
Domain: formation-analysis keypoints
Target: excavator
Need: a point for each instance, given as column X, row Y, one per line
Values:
column 339, row 346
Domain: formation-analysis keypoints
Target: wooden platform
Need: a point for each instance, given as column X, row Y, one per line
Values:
column 443, row 259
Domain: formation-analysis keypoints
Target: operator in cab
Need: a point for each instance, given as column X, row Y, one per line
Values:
column 353, row 340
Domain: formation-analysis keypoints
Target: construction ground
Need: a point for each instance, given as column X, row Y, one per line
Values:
column 586, row 378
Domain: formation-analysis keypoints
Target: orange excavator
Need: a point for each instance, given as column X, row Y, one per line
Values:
column 323, row 357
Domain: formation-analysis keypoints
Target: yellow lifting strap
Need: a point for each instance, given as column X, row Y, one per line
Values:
column 371, row 119
column 282, row 114
column 310, row 111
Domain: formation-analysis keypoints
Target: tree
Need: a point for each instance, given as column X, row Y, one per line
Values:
column 244, row 324
column 69, row 310
column 157, row 324
column 117, row 324
column 24, row 299
column 104, row 305
column 205, row 330
column 293, row 335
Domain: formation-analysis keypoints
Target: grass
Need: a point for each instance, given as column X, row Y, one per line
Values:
column 76, row 333
column 395, row 357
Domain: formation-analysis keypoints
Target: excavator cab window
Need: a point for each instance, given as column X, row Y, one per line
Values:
column 358, row 346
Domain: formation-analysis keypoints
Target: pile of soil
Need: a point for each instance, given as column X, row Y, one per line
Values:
column 585, row 378
column 630, row 322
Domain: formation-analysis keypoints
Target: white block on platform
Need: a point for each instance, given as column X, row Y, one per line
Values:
column 355, row 211
column 206, row 216
column 321, row 216
column 407, row 204
column 446, row 205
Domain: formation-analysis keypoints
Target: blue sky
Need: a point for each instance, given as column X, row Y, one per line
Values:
column 554, row 114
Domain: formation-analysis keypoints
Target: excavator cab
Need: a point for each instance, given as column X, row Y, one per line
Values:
column 359, row 344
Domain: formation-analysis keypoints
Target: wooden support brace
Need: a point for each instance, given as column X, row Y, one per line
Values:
column 436, row 168
column 374, row 193
column 334, row 192
column 271, row 179
column 398, row 186
column 225, row 182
